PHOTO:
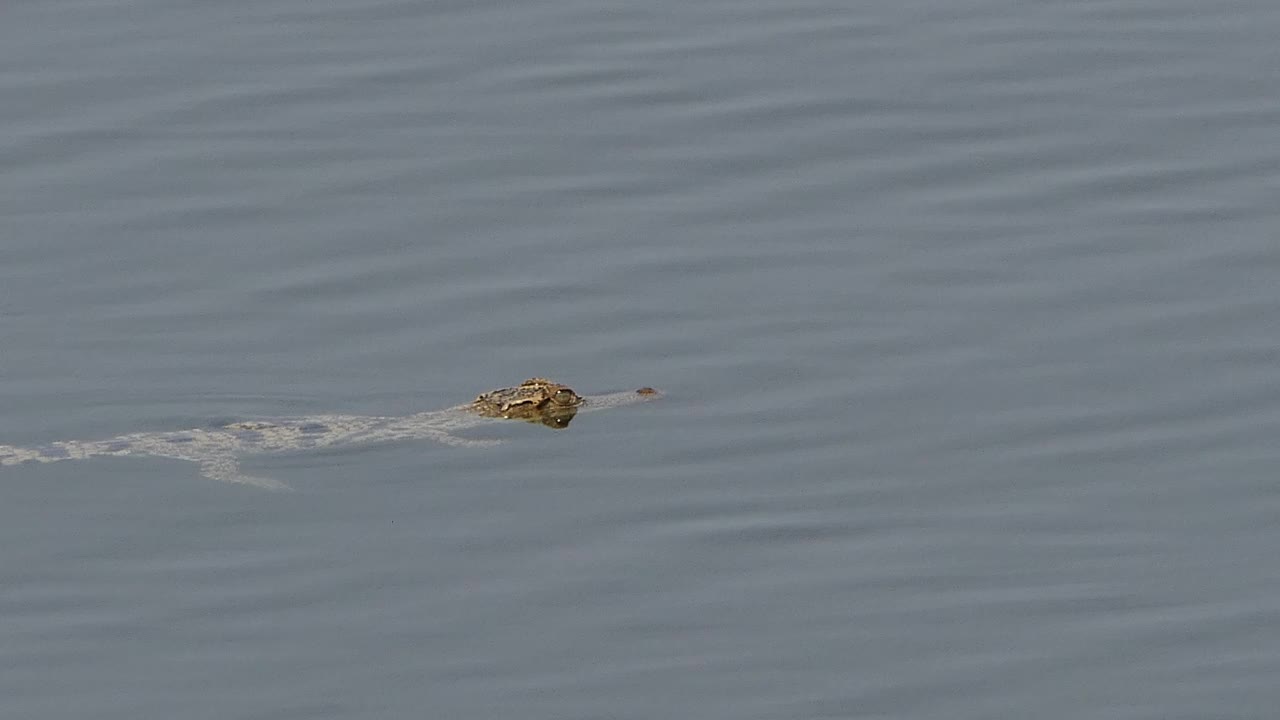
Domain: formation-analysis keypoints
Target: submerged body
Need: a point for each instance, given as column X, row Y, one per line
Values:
column 218, row 449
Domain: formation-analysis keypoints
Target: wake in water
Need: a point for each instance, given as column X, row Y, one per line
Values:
column 218, row 449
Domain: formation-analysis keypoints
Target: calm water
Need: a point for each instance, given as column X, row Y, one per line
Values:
column 966, row 312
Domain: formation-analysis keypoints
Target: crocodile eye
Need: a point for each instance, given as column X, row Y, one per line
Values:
column 566, row 397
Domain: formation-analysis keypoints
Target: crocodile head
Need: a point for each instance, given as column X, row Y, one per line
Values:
column 536, row 400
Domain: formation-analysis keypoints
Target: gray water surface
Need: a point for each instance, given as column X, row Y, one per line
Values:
column 966, row 315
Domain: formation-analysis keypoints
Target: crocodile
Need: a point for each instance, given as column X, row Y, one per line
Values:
column 218, row 449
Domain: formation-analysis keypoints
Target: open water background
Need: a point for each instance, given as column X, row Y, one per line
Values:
column 967, row 312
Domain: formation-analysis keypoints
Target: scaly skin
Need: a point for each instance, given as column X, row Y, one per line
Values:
column 217, row 450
